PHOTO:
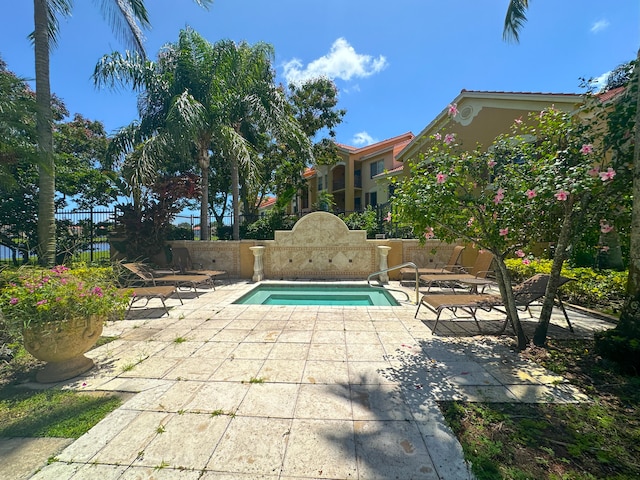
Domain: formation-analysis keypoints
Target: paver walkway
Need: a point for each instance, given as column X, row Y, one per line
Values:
column 245, row 392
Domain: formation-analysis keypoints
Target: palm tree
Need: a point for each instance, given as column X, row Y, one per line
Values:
column 197, row 99
column 127, row 17
column 629, row 325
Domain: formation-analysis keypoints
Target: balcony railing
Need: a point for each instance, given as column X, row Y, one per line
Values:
column 339, row 184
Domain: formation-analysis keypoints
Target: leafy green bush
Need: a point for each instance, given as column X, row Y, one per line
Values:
column 366, row 220
column 589, row 288
column 264, row 227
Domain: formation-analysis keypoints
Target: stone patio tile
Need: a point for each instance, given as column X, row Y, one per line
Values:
column 263, row 336
column 330, row 325
column 170, row 334
column 196, row 434
column 202, row 334
column 252, row 351
column 214, row 324
column 149, row 473
column 231, row 335
column 326, row 402
column 328, row 336
column 252, row 445
column 103, row 472
column 389, row 326
column 281, row 371
column 295, row 336
column 395, row 340
column 218, row 396
column 180, row 349
column 360, row 336
column 215, row 350
column 326, row 351
column 446, row 453
column 194, row 368
column 124, row 448
column 271, row 324
column 237, row 370
column 152, row 367
column 512, row 374
column 564, row 393
column 298, row 322
column 148, row 398
column 392, row 449
column 324, row 371
column 365, row 352
column 378, row 402
column 239, row 476
column 483, row 393
column 244, row 324
column 369, row 373
column 321, row 449
column 133, row 384
column 289, row 351
column 269, row 400
column 175, row 398
column 57, row 471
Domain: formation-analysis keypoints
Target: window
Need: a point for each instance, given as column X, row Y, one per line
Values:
column 320, row 183
column 371, row 198
column 376, row 168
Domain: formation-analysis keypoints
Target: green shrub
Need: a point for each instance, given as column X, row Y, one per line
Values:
column 366, row 220
column 590, row 287
column 264, row 227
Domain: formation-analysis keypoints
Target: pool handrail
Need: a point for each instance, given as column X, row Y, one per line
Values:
column 397, row 267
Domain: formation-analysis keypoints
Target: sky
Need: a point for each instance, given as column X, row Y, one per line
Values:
column 396, row 64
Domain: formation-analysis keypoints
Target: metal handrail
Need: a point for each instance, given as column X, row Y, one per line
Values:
column 396, row 267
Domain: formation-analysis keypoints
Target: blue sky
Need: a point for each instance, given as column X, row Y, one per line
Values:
column 396, row 64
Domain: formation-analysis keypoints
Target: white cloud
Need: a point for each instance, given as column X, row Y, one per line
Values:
column 362, row 139
column 342, row 62
column 599, row 25
column 599, row 82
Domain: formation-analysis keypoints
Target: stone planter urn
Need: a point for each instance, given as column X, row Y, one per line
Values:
column 63, row 345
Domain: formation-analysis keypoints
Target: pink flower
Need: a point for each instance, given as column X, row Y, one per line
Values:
column 531, row 194
column 520, row 253
column 491, row 163
column 586, row 149
column 470, row 222
column 13, row 301
column 441, row 177
column 594, row 171
column 605, row 228
column 388, row 217
column 428, row 233
column 504, row 232
column 453, row 109
column 437, row 136
column 526, row 261
column 608, row 175
column 518, row 120
column 97, row 291
column 41, row 302
column 499, row 196
column 605, row 248
column 561, row 195
column 449, row 138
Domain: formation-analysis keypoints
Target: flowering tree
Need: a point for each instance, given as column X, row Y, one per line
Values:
column 533, row 184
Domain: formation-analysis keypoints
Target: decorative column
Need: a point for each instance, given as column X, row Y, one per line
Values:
column 258, row 266
column 383, row 250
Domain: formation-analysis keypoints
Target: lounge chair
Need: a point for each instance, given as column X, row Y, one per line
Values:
column 147, row 276
column 451, row 266
column 181, row 259
column 526, row 293
column 476, row 276
column 161, row 292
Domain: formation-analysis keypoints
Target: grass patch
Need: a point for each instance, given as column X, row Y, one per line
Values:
column 51, row 413
column 597, row 440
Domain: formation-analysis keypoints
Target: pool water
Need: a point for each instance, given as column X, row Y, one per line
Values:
column 318, row 294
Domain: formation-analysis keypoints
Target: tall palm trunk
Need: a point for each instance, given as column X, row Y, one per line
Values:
column 44, row 126
column 235, row 197
column 204, row 162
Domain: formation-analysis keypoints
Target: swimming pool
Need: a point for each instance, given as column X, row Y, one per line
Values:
column 318, row 294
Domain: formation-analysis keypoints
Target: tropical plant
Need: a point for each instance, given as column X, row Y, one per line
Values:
column 127, row 17
column 622, row 341
column 33, row 296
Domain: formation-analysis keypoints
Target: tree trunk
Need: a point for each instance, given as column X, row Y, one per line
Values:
column 203, row 161
column 506, row 292
column 629, row 324
column 559, row 256
column 235, row 198
column 44, row 126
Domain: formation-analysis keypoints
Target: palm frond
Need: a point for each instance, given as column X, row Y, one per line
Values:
column 514, row 20
column 126, row 17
